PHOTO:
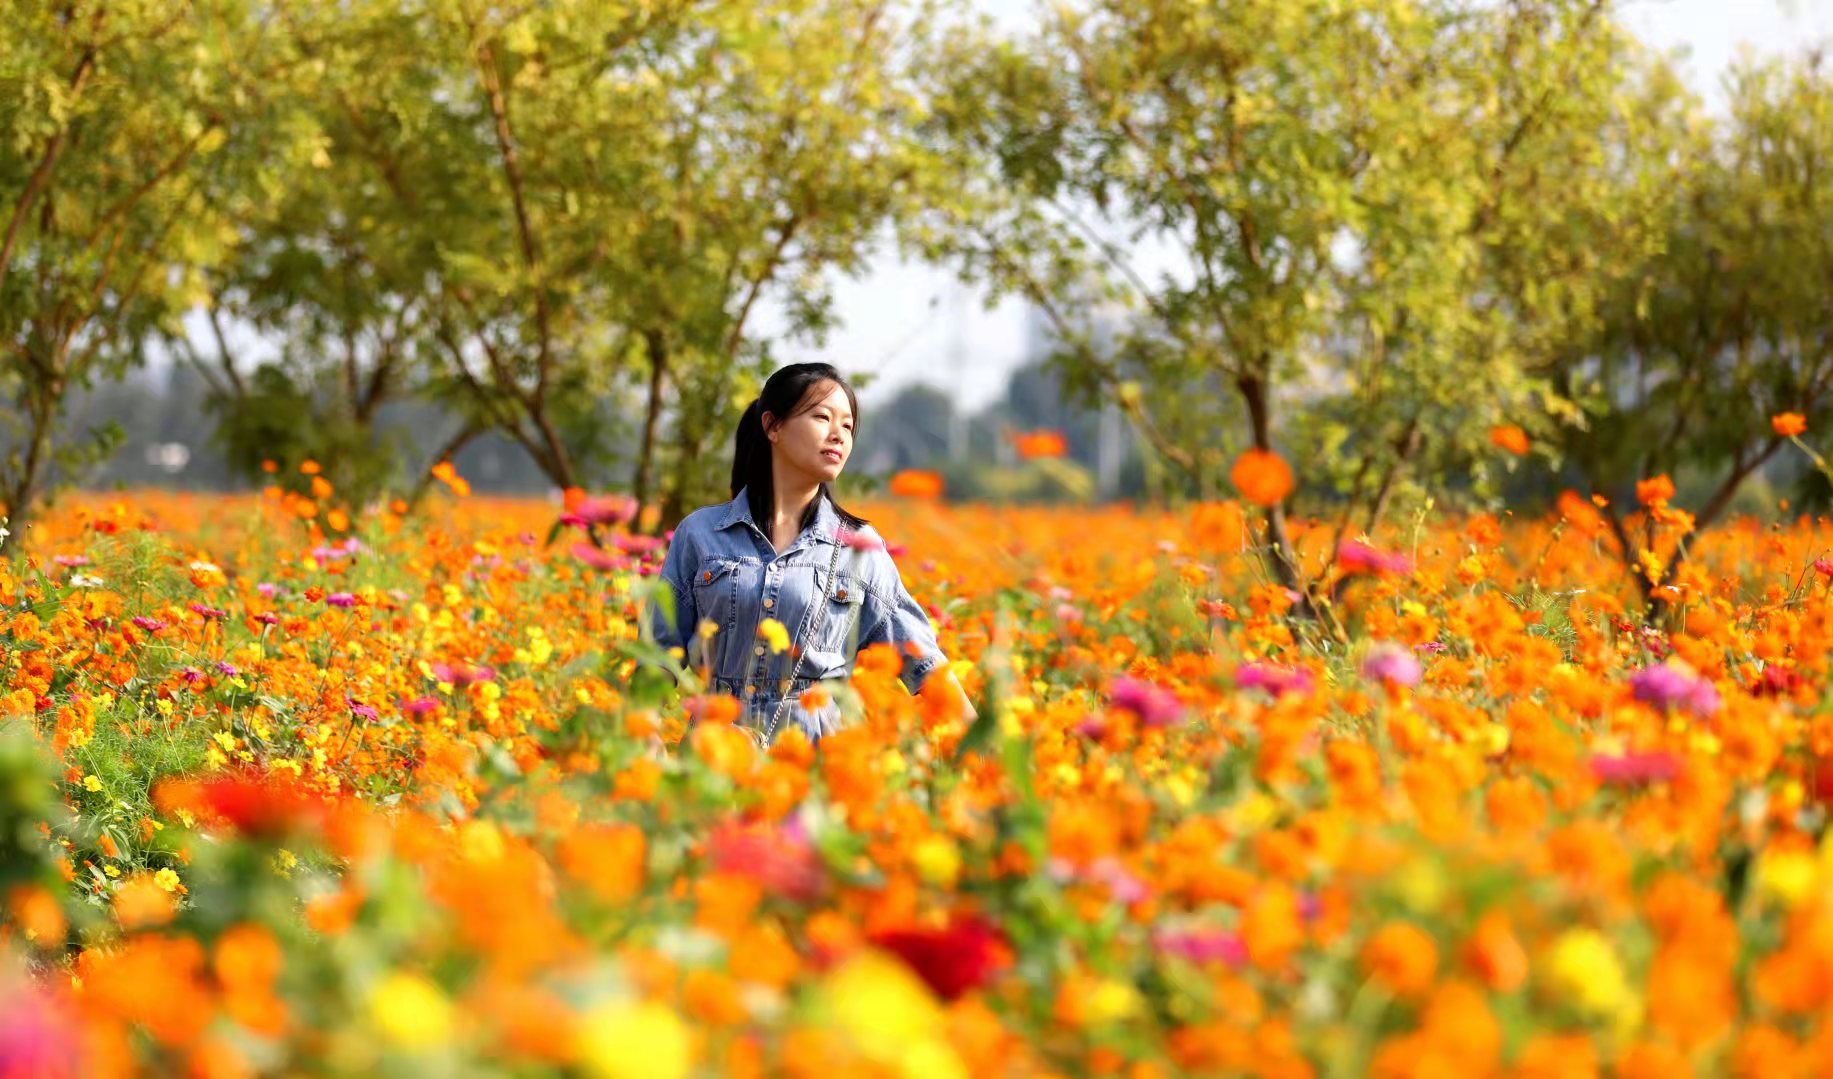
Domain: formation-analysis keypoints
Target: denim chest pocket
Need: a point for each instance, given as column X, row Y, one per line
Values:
column 716, row 592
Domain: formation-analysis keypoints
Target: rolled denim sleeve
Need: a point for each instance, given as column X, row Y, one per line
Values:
column 674, row 575
column 891, row 616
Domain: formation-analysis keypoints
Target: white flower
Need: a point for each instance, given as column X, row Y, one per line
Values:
column 85, row 580
column 204, row 567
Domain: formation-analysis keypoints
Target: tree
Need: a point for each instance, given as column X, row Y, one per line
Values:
column 609, row 194
column 1323, row 180
column 1728, row 324
column 99, row 208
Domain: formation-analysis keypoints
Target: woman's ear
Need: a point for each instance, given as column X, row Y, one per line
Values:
column 768, row 421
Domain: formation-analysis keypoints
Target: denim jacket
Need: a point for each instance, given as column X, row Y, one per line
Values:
column 722, row 568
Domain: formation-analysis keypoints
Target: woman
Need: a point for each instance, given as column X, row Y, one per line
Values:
column 783, row 550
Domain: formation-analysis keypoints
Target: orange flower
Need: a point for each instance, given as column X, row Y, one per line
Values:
column 37, row 914
column 1496, row 955
column 1402, row 957
column 139, row 902
column 1510, row 438
column 1655, row 492
column 445, row 472
column 1788, row 424
column 1262, row 477
column 1218, row 526
column 1580, row 514
column 916, row 483
column 1035, row 444
column 607, row 858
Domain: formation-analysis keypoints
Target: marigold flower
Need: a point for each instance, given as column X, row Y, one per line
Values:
column 1788, row 424
column 1402, row 957
column 621, row 1039
column 1262, row 477
column 1655, row 492
column 410, row 1011
column 1510, row 438
column 916, row 483
column 1032, row 445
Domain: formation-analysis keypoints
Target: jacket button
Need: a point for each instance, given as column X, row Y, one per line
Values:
column 840, row 594
column 707, row 575
column 759, row 650
column 769, row 603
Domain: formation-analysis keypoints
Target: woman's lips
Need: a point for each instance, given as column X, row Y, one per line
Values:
column 832, row 455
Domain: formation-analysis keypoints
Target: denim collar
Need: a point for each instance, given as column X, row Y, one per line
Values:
column 824, row 530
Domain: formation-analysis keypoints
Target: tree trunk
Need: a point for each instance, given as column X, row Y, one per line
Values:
column 658, row 369
column 1285, row 559
column 22, row 492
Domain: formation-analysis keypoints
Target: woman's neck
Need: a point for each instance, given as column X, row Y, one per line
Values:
column 793, row 495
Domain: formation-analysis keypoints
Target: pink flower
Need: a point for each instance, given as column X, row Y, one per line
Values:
column 597, row 557
column 859, row 541
column 1824, row 566
column 341, row 599
column 420, row 705
column 38, row 1035
column 1391, row 664
column 209, row 612
column 605, row 510
column 1202, row 946
column 1634, row 769
column 1667, row 686
column 150, row 625
column 1358, row 557
column 1156, row 706
column 461, row 674
column 358, row 709
column 631, row 543
column 781, row 859
column 1277, row 681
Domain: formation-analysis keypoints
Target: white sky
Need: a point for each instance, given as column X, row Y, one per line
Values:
column 901, row 322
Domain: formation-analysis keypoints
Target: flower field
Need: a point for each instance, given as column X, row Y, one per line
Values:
column 416, row 798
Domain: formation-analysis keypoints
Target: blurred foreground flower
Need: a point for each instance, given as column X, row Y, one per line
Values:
column 951, row 960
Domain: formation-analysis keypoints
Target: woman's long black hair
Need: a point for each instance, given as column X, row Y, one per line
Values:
column 790, row 391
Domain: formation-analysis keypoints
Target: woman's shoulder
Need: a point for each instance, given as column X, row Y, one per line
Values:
column 703, row 520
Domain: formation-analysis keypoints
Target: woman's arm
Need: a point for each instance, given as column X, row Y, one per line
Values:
column 675, row 568
column 943, row 681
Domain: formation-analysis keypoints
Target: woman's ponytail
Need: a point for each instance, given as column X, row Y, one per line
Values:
column 751, row 461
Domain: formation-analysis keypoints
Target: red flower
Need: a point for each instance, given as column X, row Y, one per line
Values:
column 258, row 806
column 952, row 960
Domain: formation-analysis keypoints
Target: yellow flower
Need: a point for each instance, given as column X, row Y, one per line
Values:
column 167, row 879
column 774, row 633
column 880, row 1004
column 1583, row 970
column 410, row 1011
column 1787, row 876
column 1111, row 1001
column 621, row 1039
column 937, row 860
column 91, row 783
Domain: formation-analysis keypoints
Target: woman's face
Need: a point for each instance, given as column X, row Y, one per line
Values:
column 817, row 440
